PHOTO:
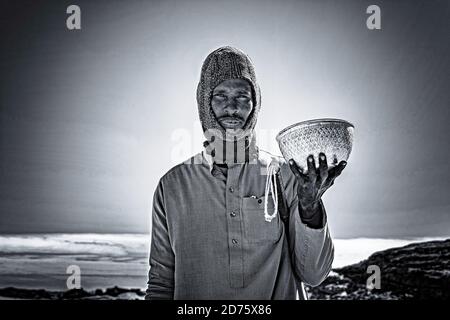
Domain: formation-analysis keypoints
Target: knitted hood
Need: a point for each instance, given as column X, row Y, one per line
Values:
column 223, row 64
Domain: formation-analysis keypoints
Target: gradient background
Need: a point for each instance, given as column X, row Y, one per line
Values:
column 90, row 119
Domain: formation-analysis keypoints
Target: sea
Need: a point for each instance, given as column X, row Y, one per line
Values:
column 46, row 261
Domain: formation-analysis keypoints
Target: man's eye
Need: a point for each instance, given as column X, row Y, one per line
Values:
column 219, row 96
column 244, row 98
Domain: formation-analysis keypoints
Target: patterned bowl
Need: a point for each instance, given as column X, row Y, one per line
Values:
column 334, row 137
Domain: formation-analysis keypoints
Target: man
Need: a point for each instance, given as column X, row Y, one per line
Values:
column 216, row 226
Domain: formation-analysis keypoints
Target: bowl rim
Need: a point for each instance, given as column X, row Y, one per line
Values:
column 310, row 122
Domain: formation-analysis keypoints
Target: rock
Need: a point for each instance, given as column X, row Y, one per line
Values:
column 75, row 294
column 17, row 293
column 98, row 292
column 415, row 271
column 115, row 293
column 118, row 292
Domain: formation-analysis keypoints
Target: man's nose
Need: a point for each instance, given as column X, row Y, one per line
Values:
column 231, row 107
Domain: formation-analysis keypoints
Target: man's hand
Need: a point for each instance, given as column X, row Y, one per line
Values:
column 314, row 183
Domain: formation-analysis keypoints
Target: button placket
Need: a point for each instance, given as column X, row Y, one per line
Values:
column 234, row 227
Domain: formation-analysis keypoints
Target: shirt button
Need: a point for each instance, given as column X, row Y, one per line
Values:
column 233, row 214
column 231, row 189
column 235, row 241
column 259, row 200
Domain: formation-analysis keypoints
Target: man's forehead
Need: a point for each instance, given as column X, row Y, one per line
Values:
column 238, row 90
column 239, row 85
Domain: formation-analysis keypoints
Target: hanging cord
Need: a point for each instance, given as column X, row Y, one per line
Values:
column 271, row 185
column 271, row 171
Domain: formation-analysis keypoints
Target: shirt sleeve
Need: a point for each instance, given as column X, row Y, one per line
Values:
column 312, row 249
column 162, row 259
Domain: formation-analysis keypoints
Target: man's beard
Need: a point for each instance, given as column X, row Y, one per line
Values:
column 237, row 121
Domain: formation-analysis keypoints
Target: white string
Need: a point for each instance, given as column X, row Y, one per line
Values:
column 272, row 185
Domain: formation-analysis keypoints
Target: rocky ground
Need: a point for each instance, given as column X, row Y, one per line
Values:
column 415, row 271
column 115, row 293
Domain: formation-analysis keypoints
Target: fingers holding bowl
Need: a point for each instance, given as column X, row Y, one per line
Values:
column 298, row 172
column 323, row 167
column 336, row 171
column 322, row 172
column 312, row 171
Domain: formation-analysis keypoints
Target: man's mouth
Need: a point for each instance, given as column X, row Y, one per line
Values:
column 231, row 121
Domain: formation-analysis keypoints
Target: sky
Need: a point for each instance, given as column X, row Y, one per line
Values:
column 90, row 119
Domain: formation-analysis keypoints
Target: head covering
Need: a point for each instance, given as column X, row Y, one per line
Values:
column 223, row 64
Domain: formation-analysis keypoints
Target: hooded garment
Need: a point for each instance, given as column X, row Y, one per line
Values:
column 222, row 64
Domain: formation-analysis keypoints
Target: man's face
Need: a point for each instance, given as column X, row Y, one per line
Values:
column 232, row 103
